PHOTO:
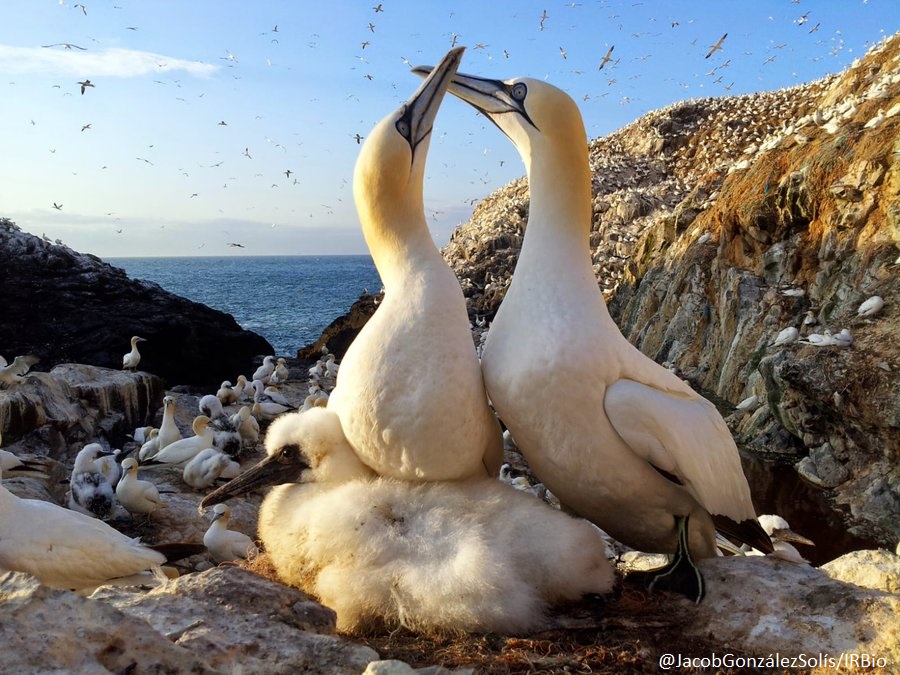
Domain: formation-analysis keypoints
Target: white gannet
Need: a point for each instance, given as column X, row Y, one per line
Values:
column 624, row 442
column 168, row 430
column 331, row 365
column 247, row 426
column 14, row 466
column 870, row 307
column 207, row 466
column 141, row 434
column 787, row 336
column 131, row 360
column 411, row 375
column 90, row 492
column 437, row 557
column 227, row 394
column 66, row 549
column 281, row 373
column 243, row 388
column 225, row 545
column 14, row 372
column 135, row 495
column 110, row 465
column 180, row 452
column 264, row 372
column 844, row 338
column 823, row 339
column 150, row 446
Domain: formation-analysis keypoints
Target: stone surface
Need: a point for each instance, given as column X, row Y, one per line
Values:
column 877, row 570
column 65, row 306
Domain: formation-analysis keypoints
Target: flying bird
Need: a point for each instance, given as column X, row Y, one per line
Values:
column 716, row 47
column 58, row 207
column 66, row 45
column 544, row 17
column 84, row 85
column 606, row 58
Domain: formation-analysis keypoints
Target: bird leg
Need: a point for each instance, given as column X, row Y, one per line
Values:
column 681, row 575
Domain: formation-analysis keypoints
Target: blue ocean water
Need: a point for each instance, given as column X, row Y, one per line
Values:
column 288, row 300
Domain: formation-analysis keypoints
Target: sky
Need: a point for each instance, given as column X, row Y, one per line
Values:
column 199, row 108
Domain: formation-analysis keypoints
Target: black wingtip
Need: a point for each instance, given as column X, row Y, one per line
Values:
column 747, row 532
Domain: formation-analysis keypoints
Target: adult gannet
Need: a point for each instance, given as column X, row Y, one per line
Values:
column 225, row 436
column 225, row 545
column 14, row 466
column 871, row 306
column 264, row 372
column 247, row 426
column 90, row 492
column 227, row 394
column 150, row 446
column 623, row 442
column 135, row 495
column 411, row 375
column 66, row 549
column 131, row 360
column 281, row 373
column 168, row 430
column 179, row 453
column 438, row 557
column 786, row 336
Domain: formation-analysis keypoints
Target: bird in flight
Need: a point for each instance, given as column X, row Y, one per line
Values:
column 716, row 47
column 86, row 126
column 83, row 8
column 288, row 173
column 544, row 17
column 235, row 245
column 66, row 45
column 358, row 138
column 378, row 8
column 56, row 206
column 607, row 58
column 85, row 85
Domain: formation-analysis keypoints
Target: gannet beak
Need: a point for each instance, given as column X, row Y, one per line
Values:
column 791, row 536
column 490, row 97
column 273, row 470
column 422, row 107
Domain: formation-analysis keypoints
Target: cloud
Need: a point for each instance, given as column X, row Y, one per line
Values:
column 113, row 62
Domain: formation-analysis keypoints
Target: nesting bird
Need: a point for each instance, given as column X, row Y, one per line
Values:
column 411, row 375
column 226, row 545
column 208, row 466
column 436, row 557
column 168, row 430
column 264, row 372
column 180, row 452
column 135, row 495
column 870, row 307
column 131, row 360
column 623, row 442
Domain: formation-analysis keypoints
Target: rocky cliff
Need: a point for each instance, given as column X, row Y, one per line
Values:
column 720, row 222
column 65, row 306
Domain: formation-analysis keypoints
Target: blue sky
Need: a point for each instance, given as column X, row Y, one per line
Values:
column 157, row 174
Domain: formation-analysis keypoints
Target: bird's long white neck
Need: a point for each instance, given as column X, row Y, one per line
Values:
column 559, row 221
column 401, row 246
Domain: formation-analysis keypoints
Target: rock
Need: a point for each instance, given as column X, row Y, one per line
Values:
column 877, row 570
column 47, row 630
column 757, row 605
column 394, row 667
column 338, row 335
column 66, row 306
column 230, row 615
column 73, row 403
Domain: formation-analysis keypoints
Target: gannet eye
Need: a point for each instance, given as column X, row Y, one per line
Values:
column 289, row 453
column 518, row 91
column 403, row 128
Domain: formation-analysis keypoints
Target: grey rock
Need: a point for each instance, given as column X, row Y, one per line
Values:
column 877, row 570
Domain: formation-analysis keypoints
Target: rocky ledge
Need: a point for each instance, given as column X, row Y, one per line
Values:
column 69, row 307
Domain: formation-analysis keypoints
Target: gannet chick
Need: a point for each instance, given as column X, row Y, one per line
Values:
column 412, row 375
column 437, row 557
column 168, row 430
column 180, row 452
column 226, row 545
column 870, row 307
column 131, row 360
column 89, row 491
column 227, row 394
column 66, row 549
column 247, row 426
column 264, row 372
column 135, row 495
column 207, row 467
column 785, row 337
column 624, row 442
column 781, row 533
column 15, row 372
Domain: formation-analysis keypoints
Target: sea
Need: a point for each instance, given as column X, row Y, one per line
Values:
column 288, row 300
